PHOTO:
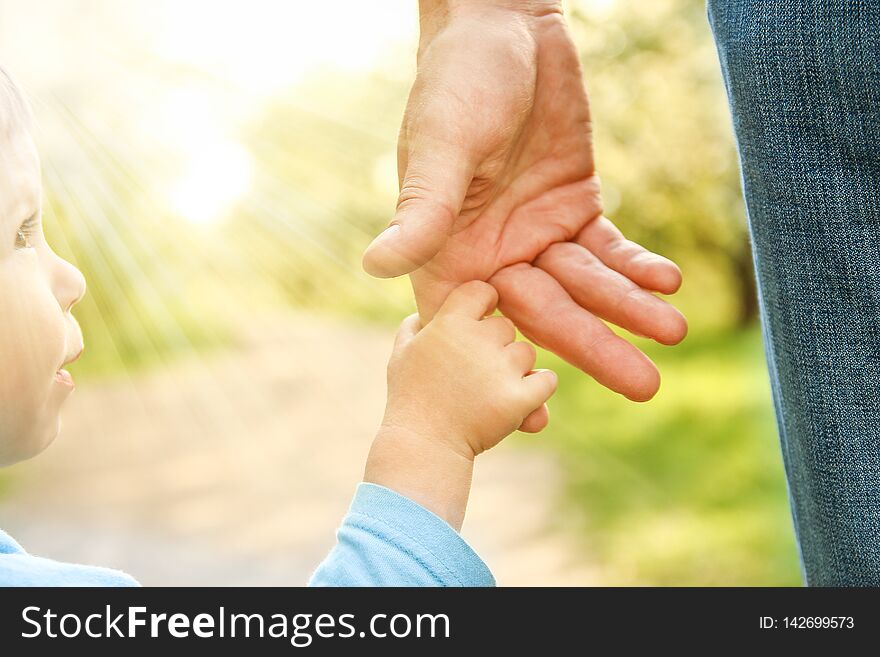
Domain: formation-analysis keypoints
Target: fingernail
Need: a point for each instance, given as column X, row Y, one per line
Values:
column 388, row 234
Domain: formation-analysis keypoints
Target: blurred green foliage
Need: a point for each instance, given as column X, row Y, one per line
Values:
column 665, row 149
column 687, row 489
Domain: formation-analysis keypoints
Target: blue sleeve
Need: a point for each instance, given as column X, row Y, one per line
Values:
column 18, row 568
column 389, row 540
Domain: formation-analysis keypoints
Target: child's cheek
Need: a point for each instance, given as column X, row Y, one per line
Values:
column 32, row 348
column 32, row 335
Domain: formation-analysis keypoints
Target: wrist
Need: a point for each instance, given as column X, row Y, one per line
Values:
column 435, row 14
column 428, row 471
column 531, row 7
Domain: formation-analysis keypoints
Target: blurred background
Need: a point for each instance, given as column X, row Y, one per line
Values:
column 216, row 169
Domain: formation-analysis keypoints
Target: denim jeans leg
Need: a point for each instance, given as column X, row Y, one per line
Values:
column 803, row 82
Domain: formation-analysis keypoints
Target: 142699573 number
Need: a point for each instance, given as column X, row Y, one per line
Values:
column 818, row 622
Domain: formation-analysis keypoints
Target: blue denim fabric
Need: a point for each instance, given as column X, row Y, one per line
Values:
column 803, row 81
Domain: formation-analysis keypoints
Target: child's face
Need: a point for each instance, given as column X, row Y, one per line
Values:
column 38, row 335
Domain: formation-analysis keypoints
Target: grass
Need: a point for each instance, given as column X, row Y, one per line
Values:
column 688, row 489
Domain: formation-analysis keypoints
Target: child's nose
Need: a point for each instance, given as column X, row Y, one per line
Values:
column 70, row 285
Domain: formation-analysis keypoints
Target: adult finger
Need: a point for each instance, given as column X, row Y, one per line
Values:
column 642, row 267
column 548, row 316
column 611, row 295
column 437, row 172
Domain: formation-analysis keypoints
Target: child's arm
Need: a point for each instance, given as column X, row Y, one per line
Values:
column 456, row 388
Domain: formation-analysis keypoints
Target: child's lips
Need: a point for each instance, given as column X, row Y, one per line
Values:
column 63, row 377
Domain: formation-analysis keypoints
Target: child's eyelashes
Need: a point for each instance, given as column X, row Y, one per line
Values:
column 22, row 240
column 25, row 234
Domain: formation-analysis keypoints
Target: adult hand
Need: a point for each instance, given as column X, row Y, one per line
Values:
column 498, row 183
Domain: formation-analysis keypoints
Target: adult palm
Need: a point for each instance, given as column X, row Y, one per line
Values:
column 498, row 183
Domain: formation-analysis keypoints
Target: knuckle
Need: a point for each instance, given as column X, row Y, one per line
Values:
column 524, row 354
column 418, row 193
column 408, row 324
column 412, row 190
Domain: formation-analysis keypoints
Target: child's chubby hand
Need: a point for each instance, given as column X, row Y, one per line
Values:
column 463, row 380
column 456, row 388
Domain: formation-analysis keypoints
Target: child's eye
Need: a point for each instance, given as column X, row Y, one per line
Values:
column 25, row 234
column 22, row 240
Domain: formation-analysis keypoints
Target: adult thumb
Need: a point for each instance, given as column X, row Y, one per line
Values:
column 432, row 191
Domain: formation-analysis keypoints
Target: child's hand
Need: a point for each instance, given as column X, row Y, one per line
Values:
column 456, row 388
column 462, row 380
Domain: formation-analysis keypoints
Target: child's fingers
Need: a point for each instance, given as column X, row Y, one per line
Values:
column 537, row 420
column 502, row 328
column 522, row 355
column 539, row 387
column 407, row 331
column 475, row 299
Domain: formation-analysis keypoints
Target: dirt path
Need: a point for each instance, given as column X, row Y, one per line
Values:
column 236, row 469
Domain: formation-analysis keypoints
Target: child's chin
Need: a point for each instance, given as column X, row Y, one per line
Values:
column 53, row 428
column 28, row 447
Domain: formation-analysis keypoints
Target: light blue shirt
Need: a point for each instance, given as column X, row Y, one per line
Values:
column 18, row 568
column 385, row 540
column 388, row 540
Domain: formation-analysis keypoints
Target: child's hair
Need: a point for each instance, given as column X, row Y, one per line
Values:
column 14, row 108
